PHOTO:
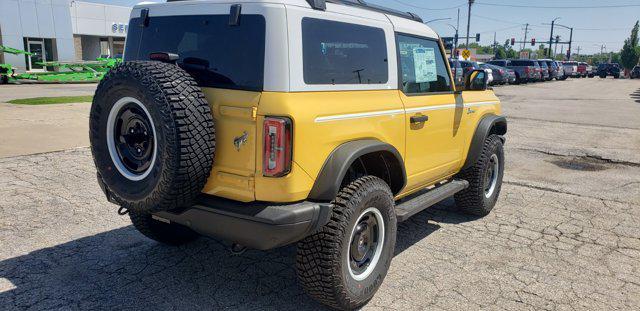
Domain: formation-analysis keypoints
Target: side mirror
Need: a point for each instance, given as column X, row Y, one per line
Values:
column 476, row 80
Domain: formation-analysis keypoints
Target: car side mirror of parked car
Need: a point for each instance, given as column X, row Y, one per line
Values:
column 476, row 80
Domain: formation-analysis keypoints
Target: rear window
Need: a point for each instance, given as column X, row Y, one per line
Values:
column 502, row 63
column 214, row 53
column 343, row 53
column 468, row 64
column 521, row 63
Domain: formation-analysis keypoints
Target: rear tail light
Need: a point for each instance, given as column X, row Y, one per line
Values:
column 527, row 69
column 277, row 146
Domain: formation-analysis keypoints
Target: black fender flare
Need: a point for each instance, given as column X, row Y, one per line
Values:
column 489, row 124
column 329, row 179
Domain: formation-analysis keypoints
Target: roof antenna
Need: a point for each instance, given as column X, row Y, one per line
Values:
column 318, row 4
column 234, row 14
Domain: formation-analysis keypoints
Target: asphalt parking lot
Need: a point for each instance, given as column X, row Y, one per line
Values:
column 565, row 234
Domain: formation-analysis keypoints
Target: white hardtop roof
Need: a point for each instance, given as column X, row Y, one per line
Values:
column 400, row 24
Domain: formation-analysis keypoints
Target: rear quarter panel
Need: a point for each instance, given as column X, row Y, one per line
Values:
column 322, row 121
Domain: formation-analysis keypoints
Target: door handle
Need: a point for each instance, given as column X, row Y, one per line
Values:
column 419, row 119
column 469, row 110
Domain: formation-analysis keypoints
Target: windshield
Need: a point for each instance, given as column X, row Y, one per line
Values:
column 213, row 52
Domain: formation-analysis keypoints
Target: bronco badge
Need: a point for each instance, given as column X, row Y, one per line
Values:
column 240, row 140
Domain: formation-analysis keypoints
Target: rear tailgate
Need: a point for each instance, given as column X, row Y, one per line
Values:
column 228, row 63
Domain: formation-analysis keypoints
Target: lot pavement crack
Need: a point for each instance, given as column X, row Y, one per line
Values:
column 548, row 189
column 573, row 123
column 584, row 156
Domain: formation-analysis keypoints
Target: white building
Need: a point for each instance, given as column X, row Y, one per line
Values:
column 60, row 30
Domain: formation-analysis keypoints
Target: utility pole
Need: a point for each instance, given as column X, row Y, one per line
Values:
column 469, row 22
column 553, row 23
column 524, row 42
column 578, row 54
column 495, row 44
column 455, row 44
column 570, row 40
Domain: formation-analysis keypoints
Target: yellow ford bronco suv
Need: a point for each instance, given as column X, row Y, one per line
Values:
column 271, row 122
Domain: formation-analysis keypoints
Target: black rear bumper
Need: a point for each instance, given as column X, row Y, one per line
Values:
column 256, row 225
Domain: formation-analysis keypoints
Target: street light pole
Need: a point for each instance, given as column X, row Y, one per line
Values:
column 455, row 40
column 469, row 22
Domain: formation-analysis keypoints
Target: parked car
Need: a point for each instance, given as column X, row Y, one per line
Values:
column 511, row 75
column 538, row 71
column 552, row 67
column 571, row 69
column 523, row 68
column 457, row 72
column 582, row 70
column 499, row 74
column 591, row 72
column 561, row 74
column 301, row 154
column 635, row 72
column 544, row 70
column 469, row 66
column 609, row 69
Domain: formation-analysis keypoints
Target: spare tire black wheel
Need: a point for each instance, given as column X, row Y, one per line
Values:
column 152, row 136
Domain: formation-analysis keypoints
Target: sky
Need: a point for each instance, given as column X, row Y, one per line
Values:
column 593, row 27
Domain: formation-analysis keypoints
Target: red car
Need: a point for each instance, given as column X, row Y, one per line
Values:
column 582, row 70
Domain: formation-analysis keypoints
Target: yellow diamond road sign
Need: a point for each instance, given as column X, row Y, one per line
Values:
column 466, row 54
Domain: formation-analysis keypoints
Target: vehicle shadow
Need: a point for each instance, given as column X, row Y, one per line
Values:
column 636, row 96
column 120, row 269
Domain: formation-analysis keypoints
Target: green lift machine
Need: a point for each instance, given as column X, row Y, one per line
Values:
column 7, row 72
column 67, row 72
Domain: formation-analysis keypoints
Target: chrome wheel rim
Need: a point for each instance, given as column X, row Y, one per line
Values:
column 131, row 138
column 365, row 244
column 491, row 176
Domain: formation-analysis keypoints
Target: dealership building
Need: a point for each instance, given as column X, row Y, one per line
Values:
column 60, row 30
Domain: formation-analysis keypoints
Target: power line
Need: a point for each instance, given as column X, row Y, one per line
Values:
column 504, row 21
column 502, row 29
column 429, row 9
column 601, row 29
column 559, row 7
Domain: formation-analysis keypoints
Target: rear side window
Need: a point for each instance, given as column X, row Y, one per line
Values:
column 214, row 53
column 422, row 66
column 521, row 63
column 498, row 63
column 343, row 53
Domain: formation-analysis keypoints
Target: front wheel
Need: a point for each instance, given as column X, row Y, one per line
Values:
column 344, row 263
column 485, row 179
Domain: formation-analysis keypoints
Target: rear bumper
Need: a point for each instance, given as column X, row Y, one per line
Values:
column 256, row 225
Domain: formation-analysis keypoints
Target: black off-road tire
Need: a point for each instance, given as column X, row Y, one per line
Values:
column 166, row 233
column 322, row 259
column 473, row 199
column 183, row 129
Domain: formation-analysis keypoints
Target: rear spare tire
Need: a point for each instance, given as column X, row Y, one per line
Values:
column 152, row 136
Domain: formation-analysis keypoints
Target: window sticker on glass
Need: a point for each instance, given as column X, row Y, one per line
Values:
column 424, row 62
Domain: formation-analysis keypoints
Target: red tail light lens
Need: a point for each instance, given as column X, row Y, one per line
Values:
column 277, row 147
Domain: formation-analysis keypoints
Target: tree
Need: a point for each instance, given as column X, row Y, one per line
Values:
column 501, row 53
column 630, row 53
